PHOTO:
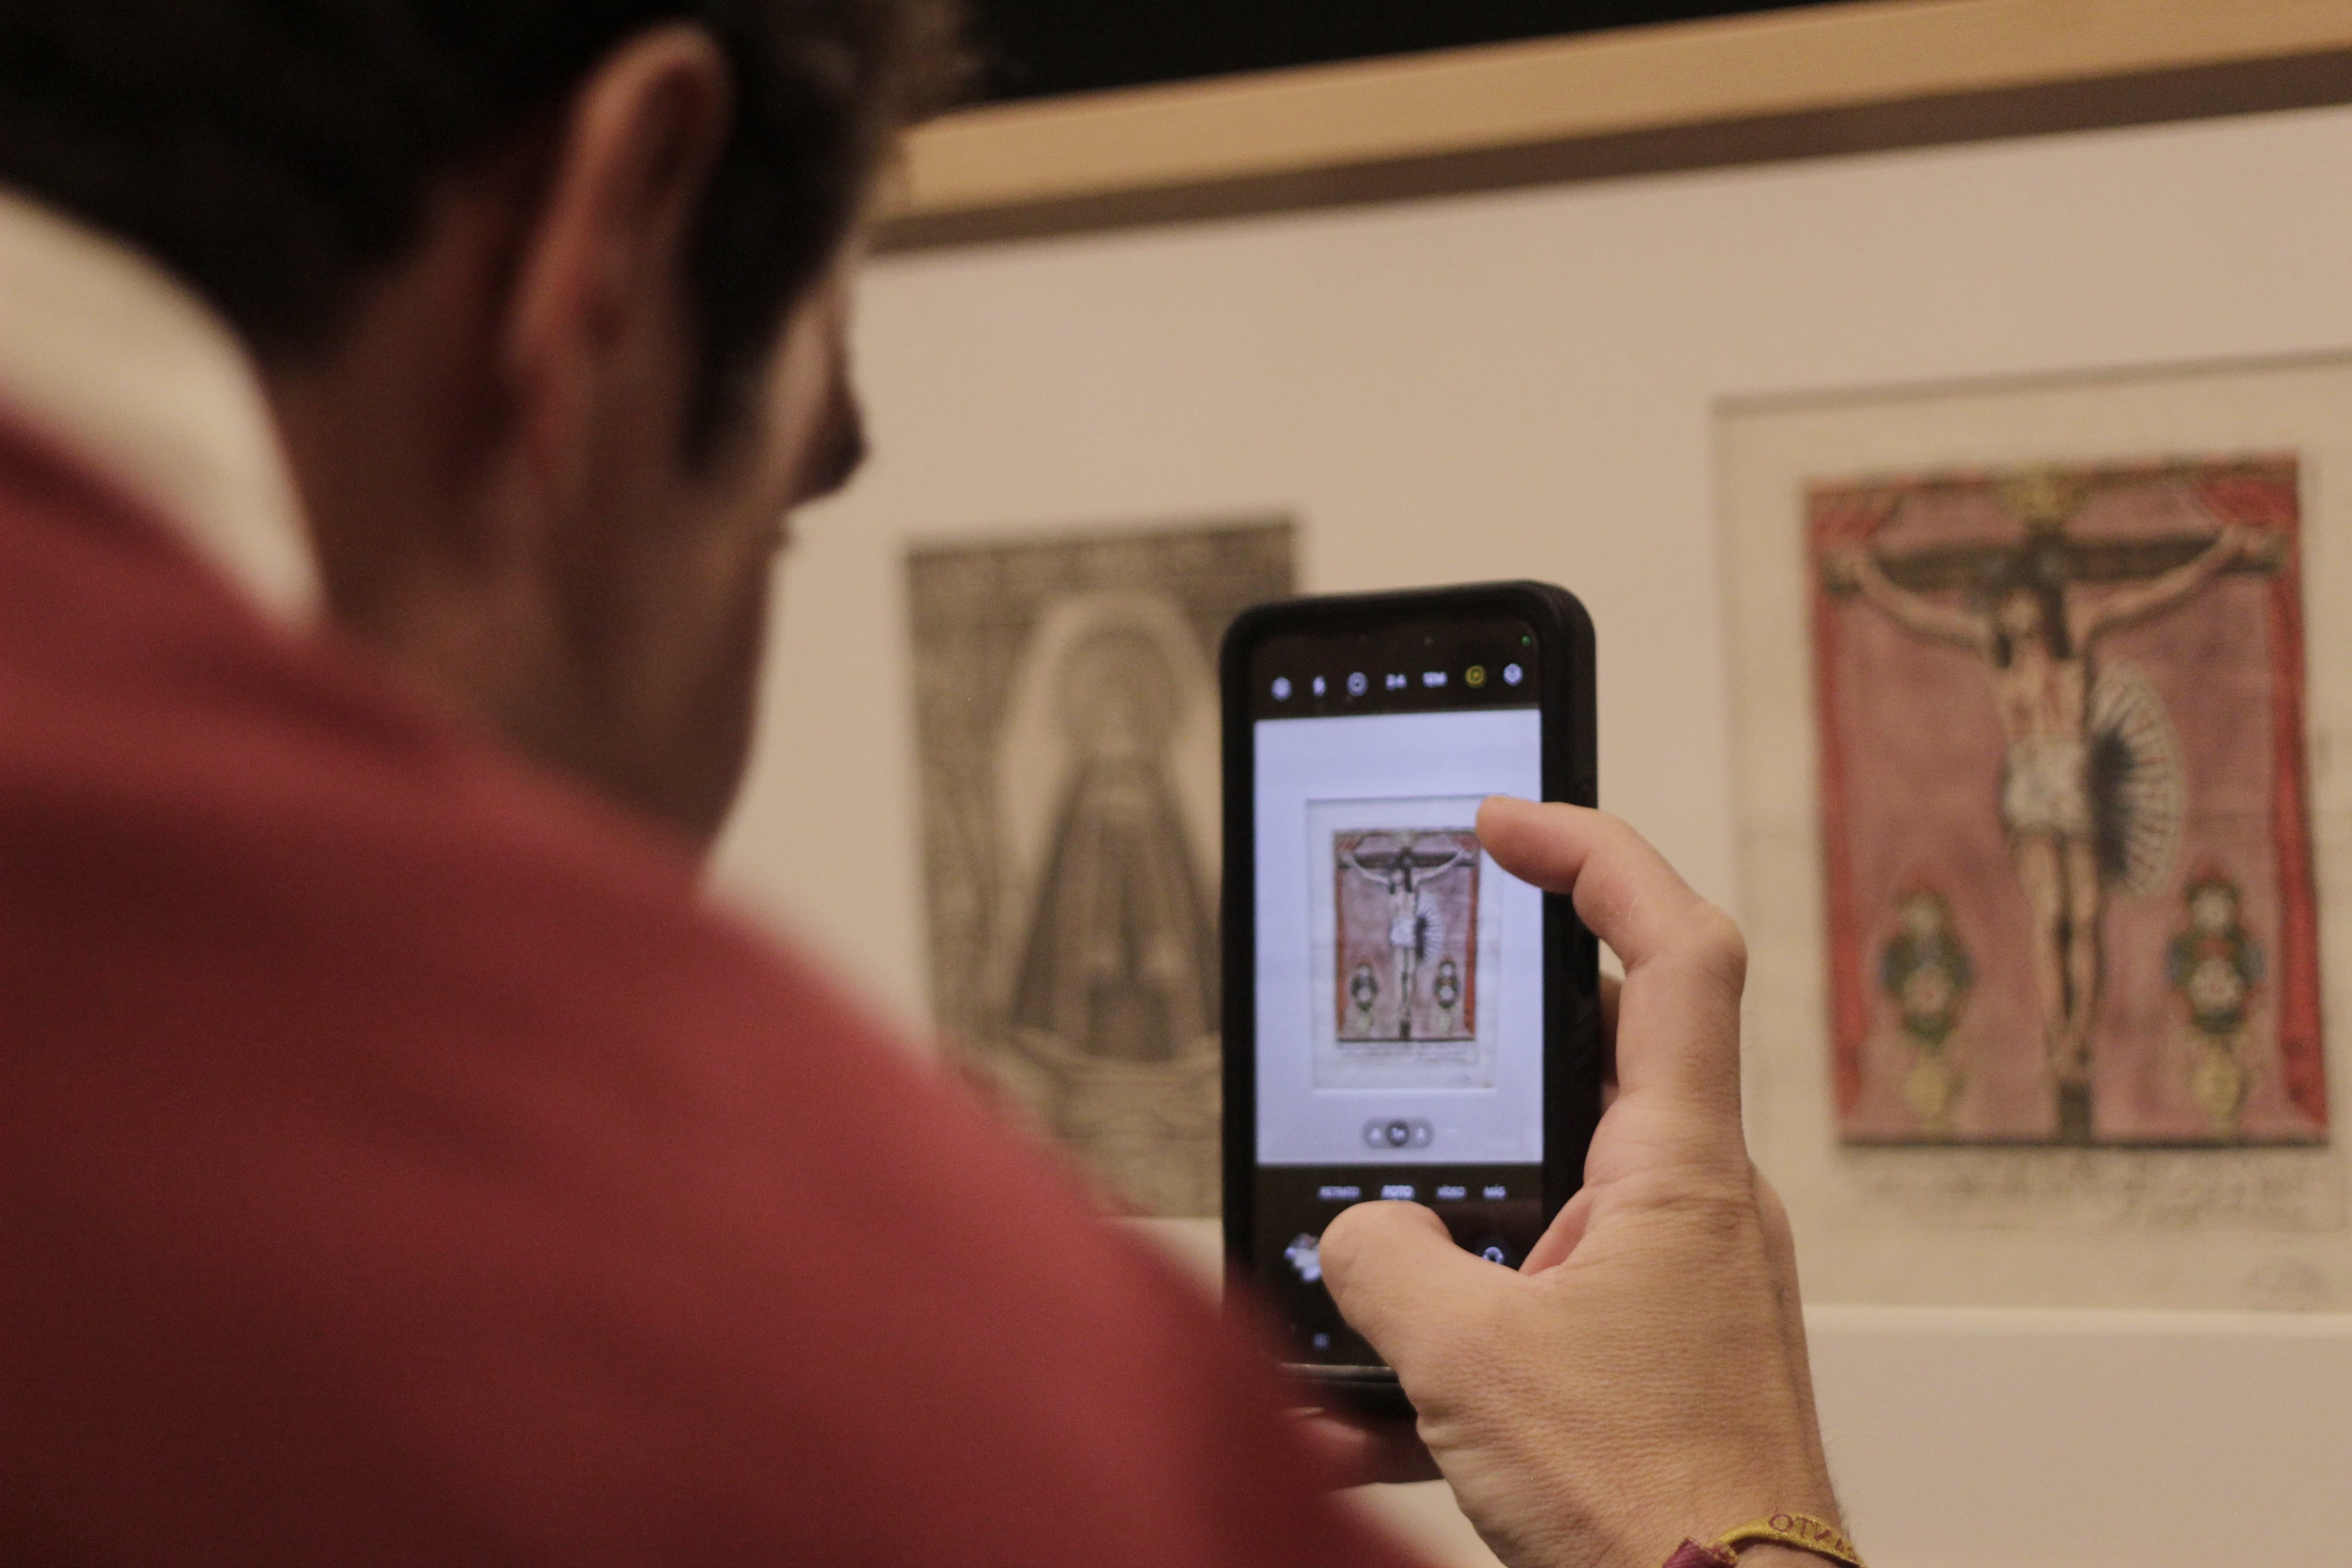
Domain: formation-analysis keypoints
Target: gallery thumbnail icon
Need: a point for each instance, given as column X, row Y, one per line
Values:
column 1399, row 1133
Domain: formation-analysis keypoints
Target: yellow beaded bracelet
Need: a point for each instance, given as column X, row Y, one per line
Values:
column 1802, row 1531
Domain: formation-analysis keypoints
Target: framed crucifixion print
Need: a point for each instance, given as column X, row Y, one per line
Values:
column 2066, row 842
column 2035, row 689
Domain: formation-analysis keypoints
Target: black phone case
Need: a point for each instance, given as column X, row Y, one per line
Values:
column 1571, row 956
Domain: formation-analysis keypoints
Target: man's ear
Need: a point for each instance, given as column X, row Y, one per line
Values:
column 606, row 256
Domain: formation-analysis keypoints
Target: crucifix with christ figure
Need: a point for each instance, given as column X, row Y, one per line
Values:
column 2033, row 610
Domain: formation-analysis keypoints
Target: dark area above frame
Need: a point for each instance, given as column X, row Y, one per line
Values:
column 1041, row 48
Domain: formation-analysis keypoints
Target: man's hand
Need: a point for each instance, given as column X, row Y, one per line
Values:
column 1642, row 1378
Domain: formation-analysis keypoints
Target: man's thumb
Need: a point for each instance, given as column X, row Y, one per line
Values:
column 1398, row 1277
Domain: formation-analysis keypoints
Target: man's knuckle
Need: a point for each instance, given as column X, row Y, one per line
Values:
column 1624, row 837
column 1705, row 1197
column 1717, row 944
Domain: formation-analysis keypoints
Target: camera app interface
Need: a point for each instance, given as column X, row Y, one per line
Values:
column 1400, row 972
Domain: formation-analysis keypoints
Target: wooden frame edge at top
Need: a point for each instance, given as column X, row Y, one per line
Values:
column 1818, row 81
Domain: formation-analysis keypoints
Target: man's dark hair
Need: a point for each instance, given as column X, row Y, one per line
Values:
column 275, row 153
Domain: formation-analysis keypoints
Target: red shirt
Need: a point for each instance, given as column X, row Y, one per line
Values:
column 402, row 1166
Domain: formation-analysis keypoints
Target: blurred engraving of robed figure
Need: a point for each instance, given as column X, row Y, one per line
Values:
column 1068, row 725
column 1117, row 963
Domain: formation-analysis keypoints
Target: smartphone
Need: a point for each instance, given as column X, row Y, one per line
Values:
column 1403, row 1018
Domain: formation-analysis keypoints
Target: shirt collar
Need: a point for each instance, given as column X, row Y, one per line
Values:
column 113, row 358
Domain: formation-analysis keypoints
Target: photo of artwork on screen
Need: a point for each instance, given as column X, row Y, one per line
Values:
column 1406, row 966
column 1404, row 957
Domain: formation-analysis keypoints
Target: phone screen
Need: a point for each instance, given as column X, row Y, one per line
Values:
column 1399, row 973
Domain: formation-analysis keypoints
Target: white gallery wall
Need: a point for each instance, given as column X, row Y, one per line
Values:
column 1523, row 384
